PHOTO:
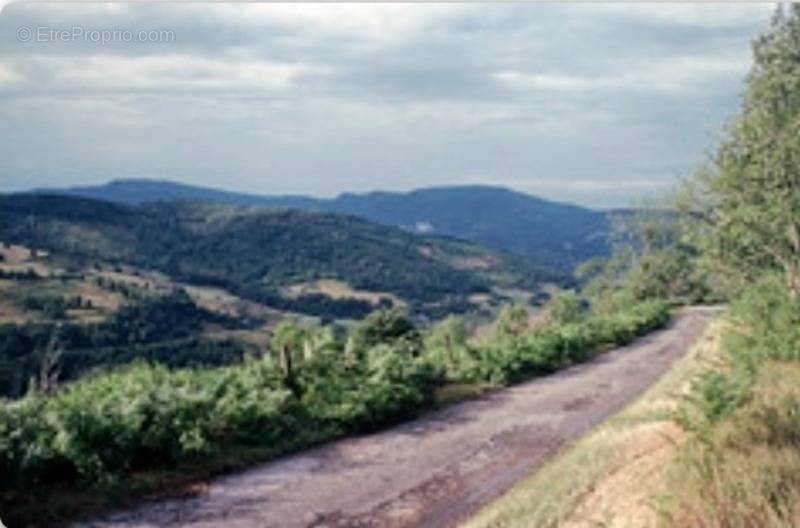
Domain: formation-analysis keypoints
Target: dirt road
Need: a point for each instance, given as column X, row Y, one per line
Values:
column 433, row 471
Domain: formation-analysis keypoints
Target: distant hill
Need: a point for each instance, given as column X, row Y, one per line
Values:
column 257, row 253
column 551, row 233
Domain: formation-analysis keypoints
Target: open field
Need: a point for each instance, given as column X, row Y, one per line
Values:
column 336, row 289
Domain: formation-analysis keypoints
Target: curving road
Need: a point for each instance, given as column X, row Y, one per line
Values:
column 433, row 471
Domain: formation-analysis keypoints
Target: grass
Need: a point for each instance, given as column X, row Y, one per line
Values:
column 336, row 289
column 585, row 484
column 745, row 470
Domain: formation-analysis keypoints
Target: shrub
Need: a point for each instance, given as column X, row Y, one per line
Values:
column 566, row 307
column 139, row 417
column 146, row 417
column 514, row 356
column 745, row 469
column 766, row 326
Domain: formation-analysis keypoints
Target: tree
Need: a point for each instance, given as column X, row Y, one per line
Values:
column 565, row 307
column 512, row 321
column 49, row 363
column 654, row 255
column 448, row 335
column 287, row 341
column 749, row 194
column 319, row 341
column 385, row 327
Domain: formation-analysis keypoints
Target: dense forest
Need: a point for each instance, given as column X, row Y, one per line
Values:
column 557, row 234
column 254, row 252
column 164, row 330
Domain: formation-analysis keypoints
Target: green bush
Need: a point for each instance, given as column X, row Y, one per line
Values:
column 143, row 417
column 564, row 308
column 766, row 326
column 513, row 357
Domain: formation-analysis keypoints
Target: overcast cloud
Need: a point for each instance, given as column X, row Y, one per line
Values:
column 590, row 103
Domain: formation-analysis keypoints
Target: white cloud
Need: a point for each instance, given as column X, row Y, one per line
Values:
column 670, row 74
column 8, row 76
column 320, row 98
column 586, row 184
column 379, row 22
column 699, row 15
column 100, row 73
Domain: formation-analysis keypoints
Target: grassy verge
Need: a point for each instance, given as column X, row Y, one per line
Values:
column 611, row 474
column 741, row 466
column 745, row 470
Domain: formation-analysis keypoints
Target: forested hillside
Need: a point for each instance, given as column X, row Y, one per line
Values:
column 256, row 253
column 557, row 234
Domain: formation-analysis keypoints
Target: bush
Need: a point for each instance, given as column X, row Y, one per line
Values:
column 744, row 470
column 741, row 468
column 143, row 417
column 564, row 308
column 514, row 356
column 766, row 326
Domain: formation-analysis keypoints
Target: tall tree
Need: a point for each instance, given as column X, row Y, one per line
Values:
column 653, row 256
column 751, row 189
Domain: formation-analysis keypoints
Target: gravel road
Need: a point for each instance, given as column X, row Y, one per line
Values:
column 433, row 471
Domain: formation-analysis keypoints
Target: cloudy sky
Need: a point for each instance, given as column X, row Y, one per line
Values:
column 595, row 104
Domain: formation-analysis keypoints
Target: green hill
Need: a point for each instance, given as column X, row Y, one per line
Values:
column 258, row 253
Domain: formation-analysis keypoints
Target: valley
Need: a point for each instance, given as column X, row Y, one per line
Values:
column 241, row 333
column 232, row 273
column 398, row 265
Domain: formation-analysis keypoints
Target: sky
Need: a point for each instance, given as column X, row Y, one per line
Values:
column 596, row 104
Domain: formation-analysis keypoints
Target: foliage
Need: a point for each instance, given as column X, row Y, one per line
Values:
column 565, row 307
column 654, row 256
column 387, row 326
column 743, row 469
column 95, row 431
column 143, row 416
column 748, row 194
column 512, row 321
column 766, row 326
column 161, row 329
column 515, row 356
column 255, row 252
column 741, row 466
column 445, row 343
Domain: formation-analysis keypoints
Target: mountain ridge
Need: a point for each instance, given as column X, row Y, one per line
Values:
column 548, row 232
